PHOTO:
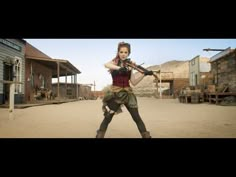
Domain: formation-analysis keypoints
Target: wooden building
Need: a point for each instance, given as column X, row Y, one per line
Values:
column 41, row 69
column 70, row 91
column 98, row 94
column 223, row 69
column 199, row 70
column 22, row 62
column 12, row 68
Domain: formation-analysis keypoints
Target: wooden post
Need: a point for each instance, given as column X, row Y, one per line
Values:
column 58, row 80
column 66, row 82
column 12, row 96
column 76, row 87
column 160, row 84
column 11, row 103
column 71, row 83
column 217, row 98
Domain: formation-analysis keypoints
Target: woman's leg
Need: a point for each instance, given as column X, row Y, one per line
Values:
column 139, row 122
column 113, row 106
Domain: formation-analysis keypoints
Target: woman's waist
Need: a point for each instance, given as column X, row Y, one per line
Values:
column 116, row 89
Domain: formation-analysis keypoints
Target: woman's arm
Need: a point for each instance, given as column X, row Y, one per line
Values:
column 136, row 79
column 111, row 65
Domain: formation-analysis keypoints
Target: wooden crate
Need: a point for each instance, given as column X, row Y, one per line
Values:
column 211, row 88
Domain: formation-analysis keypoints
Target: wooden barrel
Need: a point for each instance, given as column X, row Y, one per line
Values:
column 195, row 98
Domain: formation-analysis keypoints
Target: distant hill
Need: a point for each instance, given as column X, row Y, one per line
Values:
column 147, row 87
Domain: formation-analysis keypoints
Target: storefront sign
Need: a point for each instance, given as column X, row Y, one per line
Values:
column 10, row 44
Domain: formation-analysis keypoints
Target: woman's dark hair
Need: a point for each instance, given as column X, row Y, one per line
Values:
column 120, row 45
column 124, row 44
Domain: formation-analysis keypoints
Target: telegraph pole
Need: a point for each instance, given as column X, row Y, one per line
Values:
column 94, row 86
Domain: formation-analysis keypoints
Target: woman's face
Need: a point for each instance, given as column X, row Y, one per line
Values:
column 123, row 53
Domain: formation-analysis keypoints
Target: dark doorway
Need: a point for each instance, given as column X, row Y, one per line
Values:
column 7, row 76
column 196, row 82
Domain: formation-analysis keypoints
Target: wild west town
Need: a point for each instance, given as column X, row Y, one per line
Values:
column 193, row 98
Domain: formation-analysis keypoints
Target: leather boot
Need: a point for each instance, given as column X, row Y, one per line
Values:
column 146, row 134
column 100, row 134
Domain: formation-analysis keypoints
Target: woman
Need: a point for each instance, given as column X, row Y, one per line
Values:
column 121, row 93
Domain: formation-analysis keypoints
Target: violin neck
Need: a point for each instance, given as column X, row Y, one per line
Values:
column 142, row 68
column 138, row 67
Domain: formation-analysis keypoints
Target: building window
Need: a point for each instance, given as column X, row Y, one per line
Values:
column 215, row 79
column 42, row 81
column 192, row 79
column 193, row 62
column 196, row 80
column 18, row 74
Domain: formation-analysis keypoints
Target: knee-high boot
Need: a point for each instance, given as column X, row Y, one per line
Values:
column 100, row 134
column 146, row 134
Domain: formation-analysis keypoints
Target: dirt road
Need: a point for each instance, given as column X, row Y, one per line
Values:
column 165, row 118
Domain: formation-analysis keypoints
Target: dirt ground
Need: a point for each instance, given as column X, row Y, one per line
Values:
column 166, row 118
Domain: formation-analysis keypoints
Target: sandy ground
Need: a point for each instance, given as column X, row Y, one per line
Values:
column 165, row 118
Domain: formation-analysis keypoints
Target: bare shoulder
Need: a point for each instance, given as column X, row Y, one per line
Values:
column 113, row 62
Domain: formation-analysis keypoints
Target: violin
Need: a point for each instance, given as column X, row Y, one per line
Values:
column 139, row 68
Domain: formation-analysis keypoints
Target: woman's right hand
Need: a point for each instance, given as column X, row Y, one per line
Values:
column 123, row 69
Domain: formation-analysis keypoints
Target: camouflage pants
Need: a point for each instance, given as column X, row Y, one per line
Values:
column 114, row 101
column 121, row 98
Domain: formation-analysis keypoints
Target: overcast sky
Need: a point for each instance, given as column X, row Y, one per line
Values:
column 89, row 55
